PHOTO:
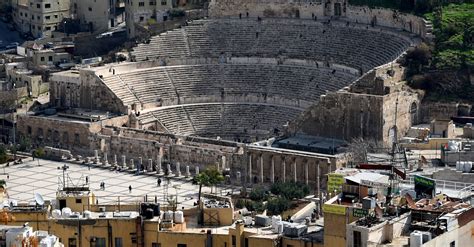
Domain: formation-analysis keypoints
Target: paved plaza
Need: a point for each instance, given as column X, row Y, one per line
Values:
column 45, row 177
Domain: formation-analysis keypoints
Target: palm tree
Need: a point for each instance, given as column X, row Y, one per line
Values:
column 208, row 177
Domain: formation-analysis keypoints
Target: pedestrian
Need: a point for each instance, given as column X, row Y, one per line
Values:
column 159, row 182
column 129, row 189
column 103, row 185
column 87, row 179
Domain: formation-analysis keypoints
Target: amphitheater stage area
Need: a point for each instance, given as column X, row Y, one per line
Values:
column 43, row 177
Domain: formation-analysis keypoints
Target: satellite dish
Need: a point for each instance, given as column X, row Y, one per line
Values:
column 39, row 199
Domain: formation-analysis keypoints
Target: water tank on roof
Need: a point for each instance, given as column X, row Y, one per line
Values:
column 262, row 220
column 149, row 213
column 275, row 220
column 179, row 217
column 56, row 213
column 467, row 166
column 87, row 214
column 416, row 239
column 66, row 212
column 168, row 215
column 279, row 227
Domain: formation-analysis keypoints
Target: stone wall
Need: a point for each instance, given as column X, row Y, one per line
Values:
column 309, row 8
column 84, row 91
column 61, row 132
column 430, row 111
column 367, row 109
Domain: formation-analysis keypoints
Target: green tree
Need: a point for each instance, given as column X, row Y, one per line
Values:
column 208, row 177
column 3, row 154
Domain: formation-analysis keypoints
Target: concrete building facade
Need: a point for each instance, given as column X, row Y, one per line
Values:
column 39, row 17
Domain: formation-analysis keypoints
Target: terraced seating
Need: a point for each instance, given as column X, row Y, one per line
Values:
column 120, row 89
column 191, row 82
column 228, row 120
column 349, row 45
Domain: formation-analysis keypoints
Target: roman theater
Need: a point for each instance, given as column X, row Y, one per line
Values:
column 266, row 90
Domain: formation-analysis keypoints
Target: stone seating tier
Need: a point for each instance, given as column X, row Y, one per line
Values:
column 351, row 45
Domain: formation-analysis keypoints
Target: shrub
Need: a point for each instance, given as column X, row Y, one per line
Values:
column 3, row 154
column 38, row 153
column 278, row 205
column 258, row 194
column 290, row 190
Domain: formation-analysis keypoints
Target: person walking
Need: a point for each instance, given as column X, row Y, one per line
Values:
column 130, row 189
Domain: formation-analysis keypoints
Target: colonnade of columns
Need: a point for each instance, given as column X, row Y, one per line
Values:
column 259, row 172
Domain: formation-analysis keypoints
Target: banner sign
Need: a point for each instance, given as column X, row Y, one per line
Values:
column 334, row 209
column 359, row 212
column 335, row 182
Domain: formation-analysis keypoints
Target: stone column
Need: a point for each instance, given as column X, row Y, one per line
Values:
column 168, row 167
column 306, row 172
column 132, row 164
column 188, row 174
column 261, row 169
column 318, row 185
column 283, row 164
column 96, row 156
column 238, row 176
column 150, row 165
column 140, row 163
column 124, row 161
column 197, row 170
column 272, row 172
column 106, row 161
column 250, row 168
column 223, row 162
column 295, row 177
column 178, row 169
column 115, row 160
column 159, row 170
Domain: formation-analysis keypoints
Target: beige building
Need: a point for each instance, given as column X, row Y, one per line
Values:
column 96, row 15
column 141, row 11
column 39, row 17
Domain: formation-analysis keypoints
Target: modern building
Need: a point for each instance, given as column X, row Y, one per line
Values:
column 95, row 16
column 39, row 17
column 141, row 12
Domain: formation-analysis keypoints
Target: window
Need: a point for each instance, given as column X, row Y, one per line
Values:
column 246, row 242
column 38, row 6
column 42, row 59
column 164, row 2
column 181, row 245
column 72, row 242
column 142, row 18
column 47, row 17
column 155, row 245
column 50, row 58
column 90, row 9
column 118, row 242
column 78, row 200
column 55, row 16
column 152, row 3
column 29, row 130
column 357, row 239
column 47, row 29
column 76, row 138
column 47, row 6
column 99, row 242
column 234, row 241
column 141, row 4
